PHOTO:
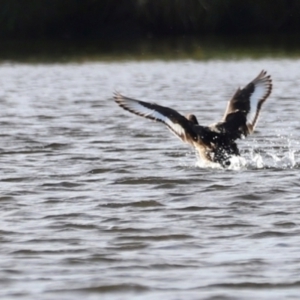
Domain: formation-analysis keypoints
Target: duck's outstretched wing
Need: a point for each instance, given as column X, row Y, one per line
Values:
column 248, row 102
column 177, row 123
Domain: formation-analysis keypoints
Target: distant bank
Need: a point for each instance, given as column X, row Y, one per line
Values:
column 103, row 20
column 166, row 48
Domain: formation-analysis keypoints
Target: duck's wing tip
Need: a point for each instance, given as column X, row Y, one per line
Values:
column 262, row 89
column 250, row 99
column 117, row 96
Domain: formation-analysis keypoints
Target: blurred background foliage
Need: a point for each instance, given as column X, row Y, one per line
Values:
column 114, row 19
column 52, row 30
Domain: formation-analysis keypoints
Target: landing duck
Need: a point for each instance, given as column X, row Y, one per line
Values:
column 217, row 142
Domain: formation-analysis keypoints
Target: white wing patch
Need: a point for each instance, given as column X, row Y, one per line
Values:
column 138, row 108
column 262, row 89
column 177, row 130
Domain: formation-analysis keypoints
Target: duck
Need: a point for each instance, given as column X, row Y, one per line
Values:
column 217, row 142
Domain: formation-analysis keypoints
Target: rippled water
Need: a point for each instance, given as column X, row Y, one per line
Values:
column 101, row 204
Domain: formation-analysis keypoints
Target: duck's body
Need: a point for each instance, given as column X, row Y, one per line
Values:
column 216, row 142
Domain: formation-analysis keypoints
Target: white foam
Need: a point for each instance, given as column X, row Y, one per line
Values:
column 252, row 160
column 207, row 164
column 237, row 163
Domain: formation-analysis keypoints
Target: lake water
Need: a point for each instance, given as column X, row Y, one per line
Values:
column 97, row 203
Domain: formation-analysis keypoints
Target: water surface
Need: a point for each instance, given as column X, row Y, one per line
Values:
column 99, row 203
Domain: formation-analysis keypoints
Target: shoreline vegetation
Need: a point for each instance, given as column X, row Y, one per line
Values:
column 179, row 48
column 88, row 30
column 102, row 19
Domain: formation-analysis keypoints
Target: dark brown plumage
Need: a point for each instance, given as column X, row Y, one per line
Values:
column 216, row 142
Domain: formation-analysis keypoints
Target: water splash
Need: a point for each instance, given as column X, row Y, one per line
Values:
column 236, row 163
column 279, row 154
column 268, row 160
